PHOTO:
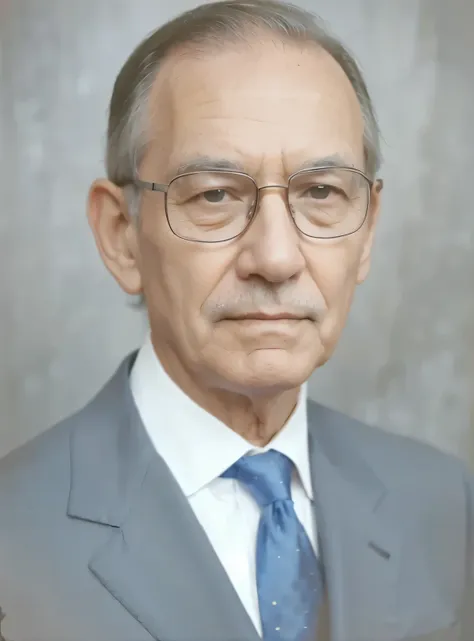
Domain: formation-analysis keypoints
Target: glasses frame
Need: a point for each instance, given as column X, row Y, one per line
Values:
column 164, row 188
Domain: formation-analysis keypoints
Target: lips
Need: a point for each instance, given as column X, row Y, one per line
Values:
column 262, row 316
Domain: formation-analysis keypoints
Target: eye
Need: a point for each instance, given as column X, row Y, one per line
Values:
column 215, row 195
column 320, row 192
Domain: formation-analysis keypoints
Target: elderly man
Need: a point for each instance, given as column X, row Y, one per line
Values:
column 200, row 496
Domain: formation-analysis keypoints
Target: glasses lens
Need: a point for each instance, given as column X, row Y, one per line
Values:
column 327, row 203
column 210, row 206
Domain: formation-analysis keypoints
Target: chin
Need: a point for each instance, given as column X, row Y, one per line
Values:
column 268, row 371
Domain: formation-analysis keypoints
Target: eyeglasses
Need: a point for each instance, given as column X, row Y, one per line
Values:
column 219, row 205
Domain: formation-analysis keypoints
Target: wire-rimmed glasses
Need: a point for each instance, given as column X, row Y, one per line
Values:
column 219, row 205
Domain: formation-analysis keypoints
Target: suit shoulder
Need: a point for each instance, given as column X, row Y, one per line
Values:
column 42, row 448
column 39, row 470
column 49, row 451
column 32, row 468
column 396, row 458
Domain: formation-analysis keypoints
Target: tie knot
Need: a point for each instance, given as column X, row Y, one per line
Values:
column 267, row 476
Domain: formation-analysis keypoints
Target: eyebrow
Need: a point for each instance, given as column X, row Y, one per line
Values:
column 334, row 161
column 208, row 163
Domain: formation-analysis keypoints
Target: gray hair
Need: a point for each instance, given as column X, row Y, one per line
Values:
column 207, row 25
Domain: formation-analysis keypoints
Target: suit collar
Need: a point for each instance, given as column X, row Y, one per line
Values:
column 110, row 452
column 333, row 442
column 158, row 562
column 161, row 567
column 360, row 542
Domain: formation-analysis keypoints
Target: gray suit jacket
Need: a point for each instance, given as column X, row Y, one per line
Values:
column 98, row 543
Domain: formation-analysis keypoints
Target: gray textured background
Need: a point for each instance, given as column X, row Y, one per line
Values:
column 405, row 362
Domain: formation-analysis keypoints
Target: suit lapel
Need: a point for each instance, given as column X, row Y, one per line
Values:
column 161, row 567
column 158, row 562
column 360, row 548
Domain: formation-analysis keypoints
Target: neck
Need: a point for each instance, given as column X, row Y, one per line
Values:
column 257, row 420
column 257, row 417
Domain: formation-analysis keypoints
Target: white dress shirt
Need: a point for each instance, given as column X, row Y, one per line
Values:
column 198, row 448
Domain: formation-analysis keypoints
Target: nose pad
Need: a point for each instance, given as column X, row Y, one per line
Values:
column 252, row 211
column 291, row 209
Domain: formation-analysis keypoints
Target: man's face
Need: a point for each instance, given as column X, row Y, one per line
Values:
column 269, row 109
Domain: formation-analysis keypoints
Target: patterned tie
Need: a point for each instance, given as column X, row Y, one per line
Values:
column 289, row 577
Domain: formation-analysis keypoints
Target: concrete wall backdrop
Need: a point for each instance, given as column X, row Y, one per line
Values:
column 405, row 361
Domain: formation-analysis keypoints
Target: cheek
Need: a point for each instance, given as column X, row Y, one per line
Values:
column 335, row 272
column 178, row 279
column 164, row 267
column 173, row 290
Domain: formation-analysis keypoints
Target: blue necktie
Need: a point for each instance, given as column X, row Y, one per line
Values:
column 289, row 577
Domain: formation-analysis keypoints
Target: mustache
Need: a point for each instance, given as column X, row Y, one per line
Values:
column 269, row 303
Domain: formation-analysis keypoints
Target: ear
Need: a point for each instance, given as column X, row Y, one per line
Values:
column 115, row 234
column 372, row 218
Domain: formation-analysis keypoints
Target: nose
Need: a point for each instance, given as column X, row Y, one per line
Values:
column 271, row 247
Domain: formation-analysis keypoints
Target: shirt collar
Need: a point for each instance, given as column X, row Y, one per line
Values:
column 195, row 445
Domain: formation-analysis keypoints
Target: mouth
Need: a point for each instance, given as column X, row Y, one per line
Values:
column 262, row 316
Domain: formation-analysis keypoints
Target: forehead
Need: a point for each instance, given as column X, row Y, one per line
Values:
column 265, row 104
